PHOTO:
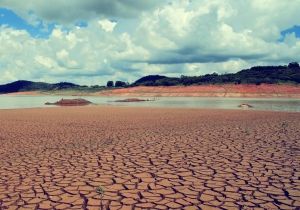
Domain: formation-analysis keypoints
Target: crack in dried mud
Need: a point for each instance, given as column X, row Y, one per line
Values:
column 148, row 159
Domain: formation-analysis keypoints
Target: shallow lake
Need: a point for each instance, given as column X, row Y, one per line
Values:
column 274, row 104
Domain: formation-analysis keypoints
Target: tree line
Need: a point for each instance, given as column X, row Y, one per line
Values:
column 111, row 84
column 256, row 75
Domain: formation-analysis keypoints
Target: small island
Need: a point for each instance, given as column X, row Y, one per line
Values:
column 134, row 100
column 131, row 100
column 71, row 102
column 245, row 106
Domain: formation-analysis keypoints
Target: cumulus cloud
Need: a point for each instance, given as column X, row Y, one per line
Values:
column 75, row 53
column 127, row 39
column 68, row 12
column 204, row 32
column 107, row 25
column 216, row 31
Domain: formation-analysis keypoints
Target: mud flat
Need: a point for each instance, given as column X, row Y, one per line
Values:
column 158, row 158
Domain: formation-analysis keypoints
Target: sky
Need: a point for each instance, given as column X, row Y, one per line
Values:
column 92, row 42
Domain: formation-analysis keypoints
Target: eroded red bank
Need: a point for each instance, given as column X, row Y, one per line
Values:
column 227, row 90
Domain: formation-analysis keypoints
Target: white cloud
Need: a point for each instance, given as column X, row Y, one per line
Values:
column 9, row 76
column 47, row 62
column 107, row 25
column 124, row 40
column 291, row 40
column 68, row 12
column 64, row 60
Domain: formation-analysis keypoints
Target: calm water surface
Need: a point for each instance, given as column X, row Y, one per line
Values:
column 274, row 104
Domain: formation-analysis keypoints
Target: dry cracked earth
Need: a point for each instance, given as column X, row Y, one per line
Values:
column 149, row 158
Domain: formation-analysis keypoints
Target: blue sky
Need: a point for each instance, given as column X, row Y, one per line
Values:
column 8, row 17
column 295, row 29
column 11, row 19
column 93, row 42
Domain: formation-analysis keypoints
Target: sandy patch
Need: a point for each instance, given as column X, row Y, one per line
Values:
column 25, row 93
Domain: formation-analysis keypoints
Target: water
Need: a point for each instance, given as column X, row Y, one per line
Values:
column 274, row 104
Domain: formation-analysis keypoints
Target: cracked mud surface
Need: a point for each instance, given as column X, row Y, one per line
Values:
column 148, row 158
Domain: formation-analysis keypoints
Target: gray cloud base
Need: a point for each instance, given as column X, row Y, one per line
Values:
column 69, row 12
column 149, row 37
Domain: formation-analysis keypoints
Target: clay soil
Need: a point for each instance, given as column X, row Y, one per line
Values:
column 226, row 90
column 25, row 93
column 158, row 158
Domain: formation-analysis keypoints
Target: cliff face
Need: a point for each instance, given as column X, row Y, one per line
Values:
column 227, row 90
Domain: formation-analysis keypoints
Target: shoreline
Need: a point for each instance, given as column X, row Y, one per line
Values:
column 225, row 90
column 152, row 107
column 192, row 95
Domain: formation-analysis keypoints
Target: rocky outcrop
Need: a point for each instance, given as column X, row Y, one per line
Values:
column 131, row 100
column 71, row 102
column 245, row 106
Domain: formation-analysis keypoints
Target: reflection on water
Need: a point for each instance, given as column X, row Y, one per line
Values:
column 275, row 104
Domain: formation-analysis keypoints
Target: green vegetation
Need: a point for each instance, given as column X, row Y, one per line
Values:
column 287, row 74
column 284, row 125
column 256, row 75
column 247, row 131
column 121, row 84
column 101, row 192
column 22, row 86
column 110, row 84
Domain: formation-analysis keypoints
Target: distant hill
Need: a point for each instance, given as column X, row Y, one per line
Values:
column 255, row 75
column 288, row 74
column 148, row 80
column 23, row 85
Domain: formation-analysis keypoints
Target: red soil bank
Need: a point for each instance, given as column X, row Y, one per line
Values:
column 227, row 90
column 25, row 93
column 148, row 158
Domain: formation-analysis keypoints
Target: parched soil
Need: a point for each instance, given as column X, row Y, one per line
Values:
column 158, row 158
column 227, row 90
